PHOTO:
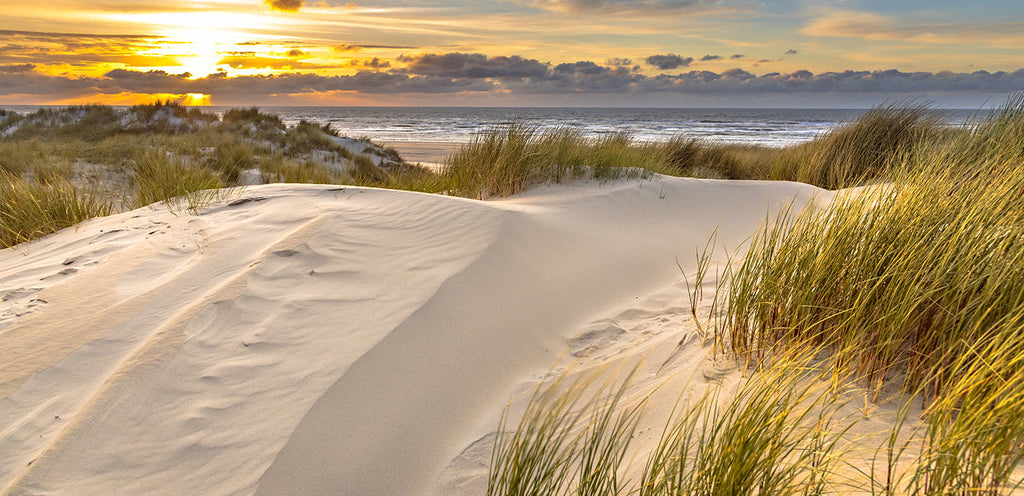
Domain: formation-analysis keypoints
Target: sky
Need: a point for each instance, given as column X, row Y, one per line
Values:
column 649, row 53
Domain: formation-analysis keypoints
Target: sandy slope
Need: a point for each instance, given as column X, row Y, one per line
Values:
column 331, row 341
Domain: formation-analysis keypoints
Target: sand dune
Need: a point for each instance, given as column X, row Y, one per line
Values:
column 326, row 340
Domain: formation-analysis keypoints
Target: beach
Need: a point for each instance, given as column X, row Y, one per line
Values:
column 431, row 153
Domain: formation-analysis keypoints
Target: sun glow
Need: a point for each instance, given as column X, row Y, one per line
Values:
column 196, row 99
column 199, row 41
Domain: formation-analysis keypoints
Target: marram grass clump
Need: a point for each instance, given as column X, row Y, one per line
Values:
column 176, row 181
column 860, row 151
column 779, row 432
column 917, row 284
column 30, row 209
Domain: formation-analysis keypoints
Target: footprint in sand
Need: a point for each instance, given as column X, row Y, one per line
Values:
column 597, row 335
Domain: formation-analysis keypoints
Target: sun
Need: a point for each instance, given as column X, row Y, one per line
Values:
column 198, row 42
column 201, row 53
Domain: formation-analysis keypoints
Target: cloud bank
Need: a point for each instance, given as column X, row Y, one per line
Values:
column 463, row 73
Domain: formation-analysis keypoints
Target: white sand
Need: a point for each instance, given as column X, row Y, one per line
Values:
column 333, row 341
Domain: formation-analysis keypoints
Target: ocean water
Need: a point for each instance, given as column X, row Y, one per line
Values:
column 770, row 127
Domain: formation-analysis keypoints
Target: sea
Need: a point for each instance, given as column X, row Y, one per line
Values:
column 768, row 127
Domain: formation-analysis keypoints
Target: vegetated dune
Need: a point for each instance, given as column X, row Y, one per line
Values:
column 334, row 340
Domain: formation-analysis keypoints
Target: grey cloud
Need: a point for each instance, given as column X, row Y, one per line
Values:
column 737, row 74
column 737, row 56
column 374, row 63
column 471, row 76
column 474, row 65
column 261, row 86
column 257, row 62
column 46, row 48
column 792, row 51
column 17, row 68
column 585, row 67
column 580, row 77
column 890, row 82
column 668, row 61
column 710, row 57
column 616, row 61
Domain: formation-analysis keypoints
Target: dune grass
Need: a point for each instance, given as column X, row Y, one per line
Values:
column 29, row 209
column 572, row 440
column 577, row 437
column 775, row 436
column 912, row 290
column 913, row 272
column 860, row 151
column 508, row 159
column 176, row 181
column 54, row 143
column 919, row 283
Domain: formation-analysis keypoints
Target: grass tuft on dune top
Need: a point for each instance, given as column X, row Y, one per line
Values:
column 506, row 160
column 160, row 177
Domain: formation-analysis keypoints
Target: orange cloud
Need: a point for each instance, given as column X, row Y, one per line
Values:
column 285, row 5
column 127, row 98
column 275, row 63
column 875, row 27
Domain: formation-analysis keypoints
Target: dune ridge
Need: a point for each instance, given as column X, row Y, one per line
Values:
column 323, row 340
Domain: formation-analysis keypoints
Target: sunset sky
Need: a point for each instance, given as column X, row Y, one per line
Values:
column 669, row 53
